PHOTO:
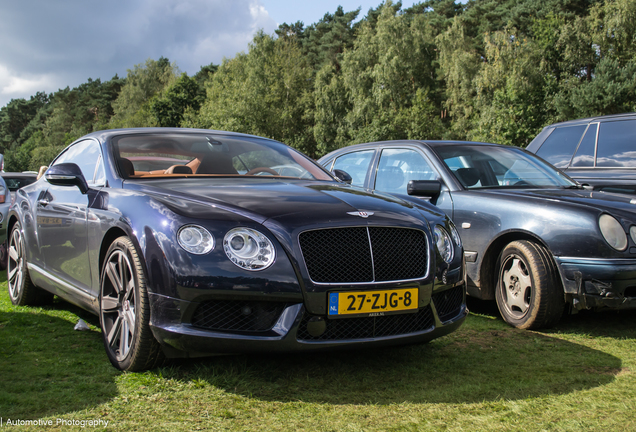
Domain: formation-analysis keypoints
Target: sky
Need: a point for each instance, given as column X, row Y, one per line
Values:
column 47, row 45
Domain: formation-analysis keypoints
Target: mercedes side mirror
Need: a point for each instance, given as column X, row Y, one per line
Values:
column 424, row 188
column 343, row 176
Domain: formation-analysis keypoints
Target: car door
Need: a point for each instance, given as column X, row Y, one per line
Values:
column 62, row 221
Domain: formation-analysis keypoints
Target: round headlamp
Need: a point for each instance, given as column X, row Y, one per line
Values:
column 613, row 232
column 444, row 243
column 249, row 249
column 195, row 239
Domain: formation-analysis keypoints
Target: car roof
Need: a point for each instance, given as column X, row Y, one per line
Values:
column 104, row 135
column 592, row 119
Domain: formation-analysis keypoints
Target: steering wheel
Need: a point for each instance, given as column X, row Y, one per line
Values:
column 261, row 169
column 521, row 183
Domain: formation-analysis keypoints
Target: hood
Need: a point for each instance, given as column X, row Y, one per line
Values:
column 601, row 201
column 291, row 203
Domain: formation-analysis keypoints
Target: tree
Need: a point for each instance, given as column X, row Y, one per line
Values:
column 181, row 95
column 143, row 82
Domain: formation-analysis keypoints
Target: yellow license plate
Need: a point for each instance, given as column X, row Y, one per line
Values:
column 370, row 302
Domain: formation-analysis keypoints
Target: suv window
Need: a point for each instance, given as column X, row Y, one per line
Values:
column 559, row 147
column 585, row 153
column 617, row 144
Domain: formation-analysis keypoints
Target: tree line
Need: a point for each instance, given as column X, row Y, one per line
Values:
column 488, row 70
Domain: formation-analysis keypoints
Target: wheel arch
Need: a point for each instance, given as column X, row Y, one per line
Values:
column 487, row 270
column 107, row 240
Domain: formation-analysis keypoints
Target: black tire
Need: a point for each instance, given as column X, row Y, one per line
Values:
column 529, row 293
column 22, row 291
column 124, row 314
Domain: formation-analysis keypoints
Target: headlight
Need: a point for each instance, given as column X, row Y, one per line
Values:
column 632, row 233
column 613, row 232
column 195, row 239
column 443, row 243
column 249, row 249
column 456, row 238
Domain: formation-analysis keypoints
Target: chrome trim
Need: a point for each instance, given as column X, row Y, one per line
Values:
column 428, row 257
column 370, row 250
column 59, row 177
column 470, row 256
column 75, row 290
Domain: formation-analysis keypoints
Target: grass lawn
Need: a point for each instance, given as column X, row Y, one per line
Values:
column 487, row 376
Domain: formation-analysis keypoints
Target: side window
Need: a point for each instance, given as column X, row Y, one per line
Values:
column 399, row 166
column 559, row 147
column 86, row 154
column 617, row 144
column 356, row 164
column 584, row 156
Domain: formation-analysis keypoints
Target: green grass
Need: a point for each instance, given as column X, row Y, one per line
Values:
column 487, row 376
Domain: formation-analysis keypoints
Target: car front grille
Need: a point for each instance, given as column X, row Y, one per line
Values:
column 449, row 303
column 369, row 327
column 237, row 315
column 364, row 254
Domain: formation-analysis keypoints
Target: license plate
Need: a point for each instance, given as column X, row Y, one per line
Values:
column 372, row 302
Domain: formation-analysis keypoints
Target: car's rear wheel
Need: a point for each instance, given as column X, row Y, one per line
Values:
column 529, row 293
column 22, row 291
column 125, row 310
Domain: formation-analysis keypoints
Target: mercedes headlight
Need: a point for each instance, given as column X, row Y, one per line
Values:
column 195, row 239
column 249, row 249
column 613, row 232
column 444, row 243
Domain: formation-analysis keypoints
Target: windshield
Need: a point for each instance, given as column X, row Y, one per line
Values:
column 186, row 155
column 481, row 166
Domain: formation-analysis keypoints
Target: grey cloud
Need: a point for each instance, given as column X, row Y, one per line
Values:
column 65, row 42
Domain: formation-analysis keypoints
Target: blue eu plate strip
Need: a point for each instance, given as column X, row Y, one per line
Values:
column 333, row 303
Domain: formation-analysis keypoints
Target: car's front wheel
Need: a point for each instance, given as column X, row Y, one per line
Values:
column 528, row 293
column 22, row 291
column 125, row 310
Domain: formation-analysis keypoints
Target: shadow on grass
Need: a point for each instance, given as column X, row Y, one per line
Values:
column 47, row 367
column 486, row 360
column 603, row 323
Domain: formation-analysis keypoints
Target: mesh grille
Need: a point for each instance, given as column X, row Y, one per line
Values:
column 398, row 253
column 370, row 327
column 236, row 315
column 337, row 255
column 449, row 303
column 343, row 255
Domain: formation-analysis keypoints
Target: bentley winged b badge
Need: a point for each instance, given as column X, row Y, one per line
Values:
column 362, row 214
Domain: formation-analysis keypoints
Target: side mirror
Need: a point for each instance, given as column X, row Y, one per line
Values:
column 343, row 176
column 66, row 174
column 424, row 188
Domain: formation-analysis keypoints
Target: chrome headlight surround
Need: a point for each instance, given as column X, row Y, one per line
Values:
column 632, row 233
column 455, row 234
column 249, row 249
column 195, row 239
column 444, row 243
column 613, row 232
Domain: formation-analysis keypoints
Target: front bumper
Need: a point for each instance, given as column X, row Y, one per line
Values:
column 297, row 330
column 599, row 283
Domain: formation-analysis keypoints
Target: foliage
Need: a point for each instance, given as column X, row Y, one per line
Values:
column 493, row 70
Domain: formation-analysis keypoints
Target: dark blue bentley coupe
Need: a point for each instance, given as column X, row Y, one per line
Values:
column 197, row 242
column 535, row 241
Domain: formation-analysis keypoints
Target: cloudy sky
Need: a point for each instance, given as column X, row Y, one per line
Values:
column 47, row 45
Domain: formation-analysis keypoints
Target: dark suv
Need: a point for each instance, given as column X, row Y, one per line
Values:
column 598, row 151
